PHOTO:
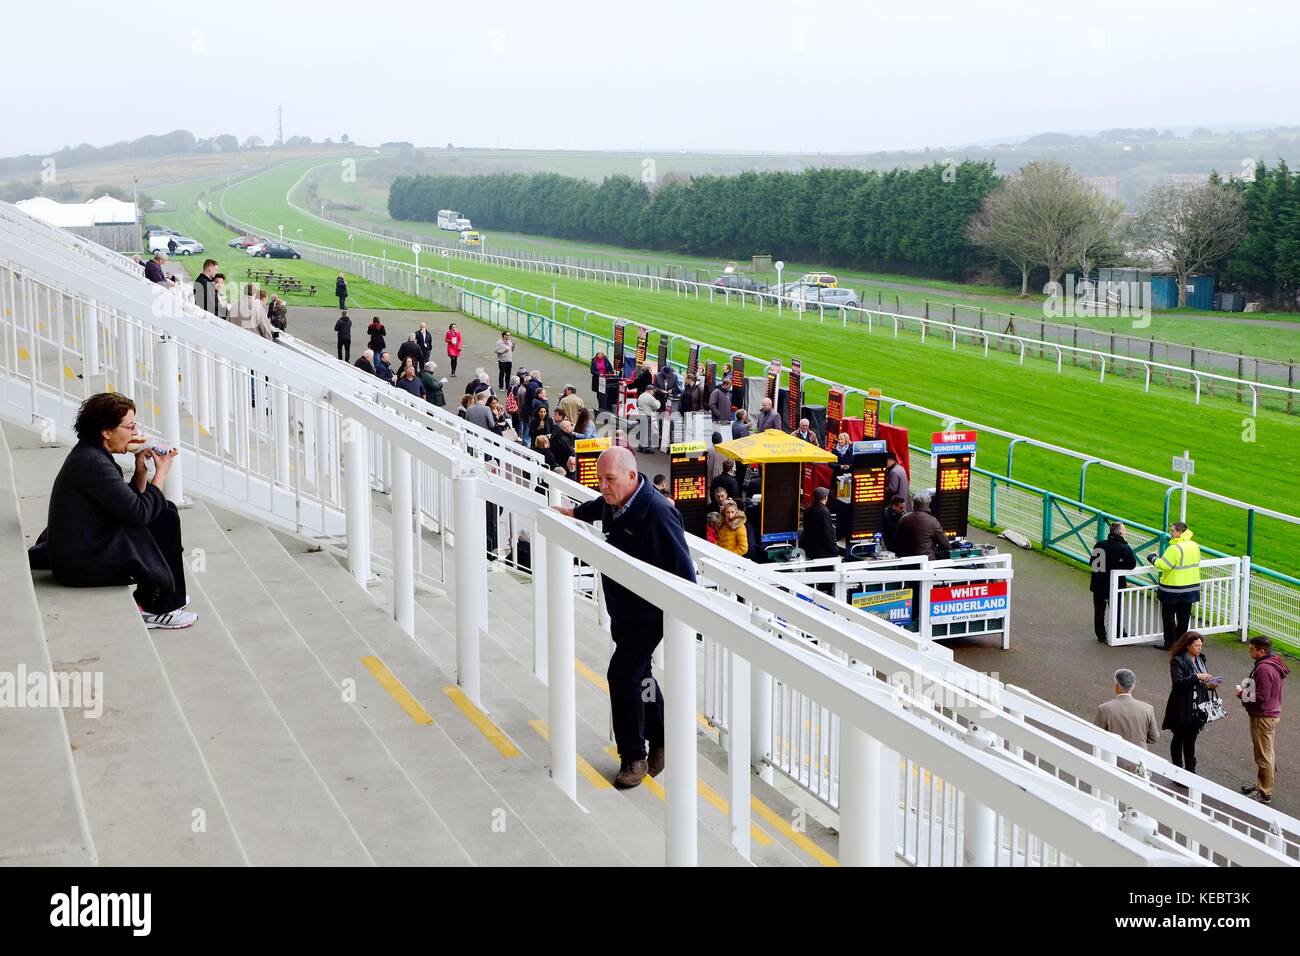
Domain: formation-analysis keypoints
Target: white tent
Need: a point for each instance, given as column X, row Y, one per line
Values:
column 104, row 211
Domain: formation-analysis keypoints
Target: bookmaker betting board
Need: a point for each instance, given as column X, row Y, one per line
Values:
column 834, row 415
column 868, row 498
column 587, row 450
column 687, row 483
column 779, row 516
column 952, row 453
column 871, row 418
column 794, row 390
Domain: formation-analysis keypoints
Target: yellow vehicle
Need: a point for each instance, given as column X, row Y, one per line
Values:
column 823, row 280
column 471, row 237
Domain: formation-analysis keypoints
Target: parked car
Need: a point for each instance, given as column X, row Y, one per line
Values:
column 738, row 282
column 273, row 250
column 823, row 280
column 244, row 242
column 185, row 246
column 811, row 297
column 150, row 230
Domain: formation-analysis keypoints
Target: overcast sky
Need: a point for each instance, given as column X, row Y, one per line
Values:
column 830, row 75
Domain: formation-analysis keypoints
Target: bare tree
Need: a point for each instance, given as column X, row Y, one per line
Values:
column 1096, row 240
column 1185, row 228
column 1047, row 215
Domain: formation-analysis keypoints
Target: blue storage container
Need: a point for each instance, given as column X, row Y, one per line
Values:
column 1164, row 292
column 1201, row 294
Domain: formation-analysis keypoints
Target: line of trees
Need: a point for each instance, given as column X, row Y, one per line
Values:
column 910, row 221
column 1267, row 260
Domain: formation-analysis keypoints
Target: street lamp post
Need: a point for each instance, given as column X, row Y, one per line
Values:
column 282, row 231
column 417, row 249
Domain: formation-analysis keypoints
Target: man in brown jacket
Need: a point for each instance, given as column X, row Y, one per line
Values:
column 920, row 533
column 1132, row 719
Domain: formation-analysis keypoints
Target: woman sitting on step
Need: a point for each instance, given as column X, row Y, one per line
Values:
column 104, row 531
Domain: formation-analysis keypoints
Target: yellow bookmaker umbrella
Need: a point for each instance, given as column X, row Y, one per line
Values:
column 773, row 447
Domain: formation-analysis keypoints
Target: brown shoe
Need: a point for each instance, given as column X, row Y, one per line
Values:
column 630, row 774
column 656, row 761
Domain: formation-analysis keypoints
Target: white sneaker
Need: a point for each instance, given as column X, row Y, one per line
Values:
column 171, row 620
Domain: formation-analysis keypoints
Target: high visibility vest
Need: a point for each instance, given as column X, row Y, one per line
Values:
column 1180, row 569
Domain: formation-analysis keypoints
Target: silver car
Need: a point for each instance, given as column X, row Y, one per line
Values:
column 809, row 298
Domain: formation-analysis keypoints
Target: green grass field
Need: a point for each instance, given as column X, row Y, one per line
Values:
column 886, row 290
column 235, row 263
column 1114, row 420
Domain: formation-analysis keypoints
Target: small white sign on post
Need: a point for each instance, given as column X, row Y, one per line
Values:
column 1184, row 465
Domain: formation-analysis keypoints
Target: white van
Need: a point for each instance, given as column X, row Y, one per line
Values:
column 449, row 219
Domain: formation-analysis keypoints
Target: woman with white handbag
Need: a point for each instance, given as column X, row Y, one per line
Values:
column 1192, row 698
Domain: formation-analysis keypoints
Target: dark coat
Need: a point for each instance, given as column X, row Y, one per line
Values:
column 651, row 531
column 341, row 287
column 1113, row 554
column 692, row 399
column 433, row 389
column 205, row 294
column 409, row 350
column 889, row 529
column 818, row 536
column 384, row 370
column 412, row 385
column 376, row 331
column 98, row 532
column 920, row 533
column 720, row 405
column 154, row 272
column 1185, row 693
column 1268, row 674
column 344, row 328
column 726, row 481
column 364, row 364
column 425, row 341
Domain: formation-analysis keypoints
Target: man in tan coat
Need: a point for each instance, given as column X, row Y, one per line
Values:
column 1132, row 719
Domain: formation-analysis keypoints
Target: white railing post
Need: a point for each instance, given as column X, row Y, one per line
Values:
column 561, row 669
column 679, row 744
column 356, row 481
column 90, row 338
column 223, row 372
column 403, row 557
column 738, row 752
column 860, row 799
column 760, row 723
column 979, row 845
column 170, row 400
column 202, row 407
column 540, row 566
column 471, row 581
column 280, row 412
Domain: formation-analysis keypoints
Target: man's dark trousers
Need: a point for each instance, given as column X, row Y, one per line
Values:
column 503, row 373
column 635, row 700
column 1177, row 620
column 1099, row 602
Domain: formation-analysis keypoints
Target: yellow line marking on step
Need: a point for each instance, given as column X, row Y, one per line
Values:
column 495, row 735
column 592, row 676
column 603, row 684
column 594, row 776
column 761, row 836
column 649, row 782
column 389, row 682
column 711, row 796
column 789, row 832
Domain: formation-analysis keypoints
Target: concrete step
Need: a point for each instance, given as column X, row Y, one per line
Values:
column 149, row 795
column 518, row 788
column 44, row 821
column 386, row 810
column 517, row 701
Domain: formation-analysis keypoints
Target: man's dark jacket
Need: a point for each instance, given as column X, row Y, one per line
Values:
column 98, row 532
column 651, row 531
column 920, row 533
column 818, row 536
column 364, row 364
column 1118, row 556
column 205, row 294
column 409, row 350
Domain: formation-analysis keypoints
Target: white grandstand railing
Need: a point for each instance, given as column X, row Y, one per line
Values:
column 763, row 299
column 527, row 473
column 92, row 301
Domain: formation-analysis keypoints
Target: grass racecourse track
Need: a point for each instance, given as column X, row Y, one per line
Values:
column 1214, row 330
column 1252, row 459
